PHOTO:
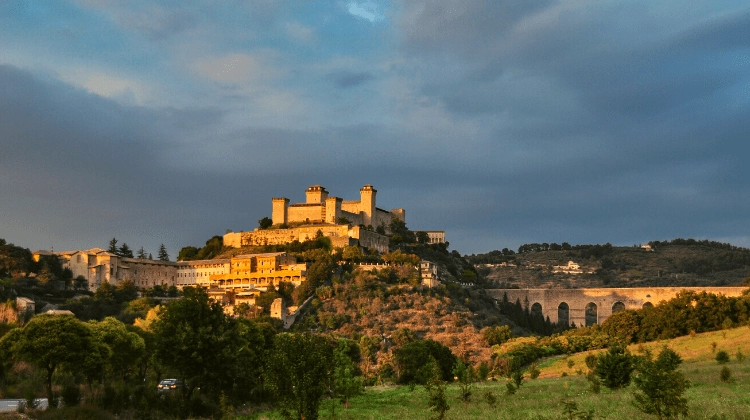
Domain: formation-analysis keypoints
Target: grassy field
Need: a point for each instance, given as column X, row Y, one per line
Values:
column 542, row 398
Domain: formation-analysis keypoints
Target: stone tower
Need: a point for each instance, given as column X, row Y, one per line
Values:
column 280, row 214
column 367, row 203
column 316, row 194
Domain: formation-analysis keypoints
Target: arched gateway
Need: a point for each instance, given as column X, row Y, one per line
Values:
column 594, row 306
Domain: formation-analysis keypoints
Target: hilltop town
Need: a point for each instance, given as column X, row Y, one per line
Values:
column 356, row 274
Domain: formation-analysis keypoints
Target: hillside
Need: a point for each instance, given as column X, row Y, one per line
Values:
column 669, row 263
column 384, row 304
column 545, row 397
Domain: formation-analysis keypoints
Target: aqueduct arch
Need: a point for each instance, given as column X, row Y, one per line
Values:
column 555, row 303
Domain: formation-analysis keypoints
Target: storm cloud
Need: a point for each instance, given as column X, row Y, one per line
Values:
column 501, row 122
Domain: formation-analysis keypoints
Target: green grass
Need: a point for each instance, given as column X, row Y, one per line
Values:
column 708, row 397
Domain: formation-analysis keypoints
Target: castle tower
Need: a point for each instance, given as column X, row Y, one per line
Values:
column 367, row 203
column 333, row 209
column 316, row 194
column 280, row 214
column 278, row 309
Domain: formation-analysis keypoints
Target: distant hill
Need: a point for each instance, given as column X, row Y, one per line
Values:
column 680, row 262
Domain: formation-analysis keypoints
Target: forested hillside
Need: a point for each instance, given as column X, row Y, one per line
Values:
column 680, row 262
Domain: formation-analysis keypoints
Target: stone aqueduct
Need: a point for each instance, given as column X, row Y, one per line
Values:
column 600, row 303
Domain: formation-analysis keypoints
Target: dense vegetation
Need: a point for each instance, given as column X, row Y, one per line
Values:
column 680, row 262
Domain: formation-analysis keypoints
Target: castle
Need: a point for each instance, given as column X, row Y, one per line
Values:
column 345, row 222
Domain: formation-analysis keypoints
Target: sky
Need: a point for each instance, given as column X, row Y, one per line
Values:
column 502, row 123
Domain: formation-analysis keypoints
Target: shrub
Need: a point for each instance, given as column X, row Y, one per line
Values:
column 722, row 357
column 466, row 377
column 591, row 360
column 571, row 363
column 483, row 371
column 661, row 386
column 595, row 384
column 713, row 346
column 490, row 398
column 740, row 356
column 437, row 401
column 725, row 375
column 497, row 335
column 534, row 371
column 615, row 367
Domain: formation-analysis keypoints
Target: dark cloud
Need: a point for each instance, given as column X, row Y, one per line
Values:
column 347, row 79
column 530, row 122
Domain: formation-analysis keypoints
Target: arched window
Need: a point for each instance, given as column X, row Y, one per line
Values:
column 617, row 307
column 648, row 305
column 591, row 314
column 563, row 314
column 536, row 309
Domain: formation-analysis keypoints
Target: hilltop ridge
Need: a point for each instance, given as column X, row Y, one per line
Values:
column 680, row 262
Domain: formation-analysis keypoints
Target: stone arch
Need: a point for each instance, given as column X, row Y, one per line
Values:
column 563, row 314
column 648, row 305
column 536, row 309
column 591, row 314
column 617, row 307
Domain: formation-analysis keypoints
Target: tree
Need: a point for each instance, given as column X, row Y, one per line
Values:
column 141, row 254
column 368, row 348
column 661, row 386
column 196, row 339
column 125, row 348
column 423, row 237
column 437, row 401
column 297, row 372
column 615, row 367
column 80, row 283
column 113, row 246
column 419, row 361
column 265, row 223
column 402, row 336
column 466, row 378
column 348, row 380
column 497, row 335
column 623, row 325
column 53, row 341
column 352, row 253
column 187, row 253
column 163, row 256
column 125, row 251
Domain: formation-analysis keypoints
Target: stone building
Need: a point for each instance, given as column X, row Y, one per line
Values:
column 320, row 208
column 436, row 236
column 98, row 266
column 258, row 271
column 345, row 222
column 429, row 273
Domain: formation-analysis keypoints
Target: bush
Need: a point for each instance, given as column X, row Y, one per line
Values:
column 534, row 371
column 722, row 357
column 740, row 356
column 615, row 367
column 725, row 375
column 661, row 386
column 437, row 401
column 591, row 360
column 595, row 384
column 490, row 398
